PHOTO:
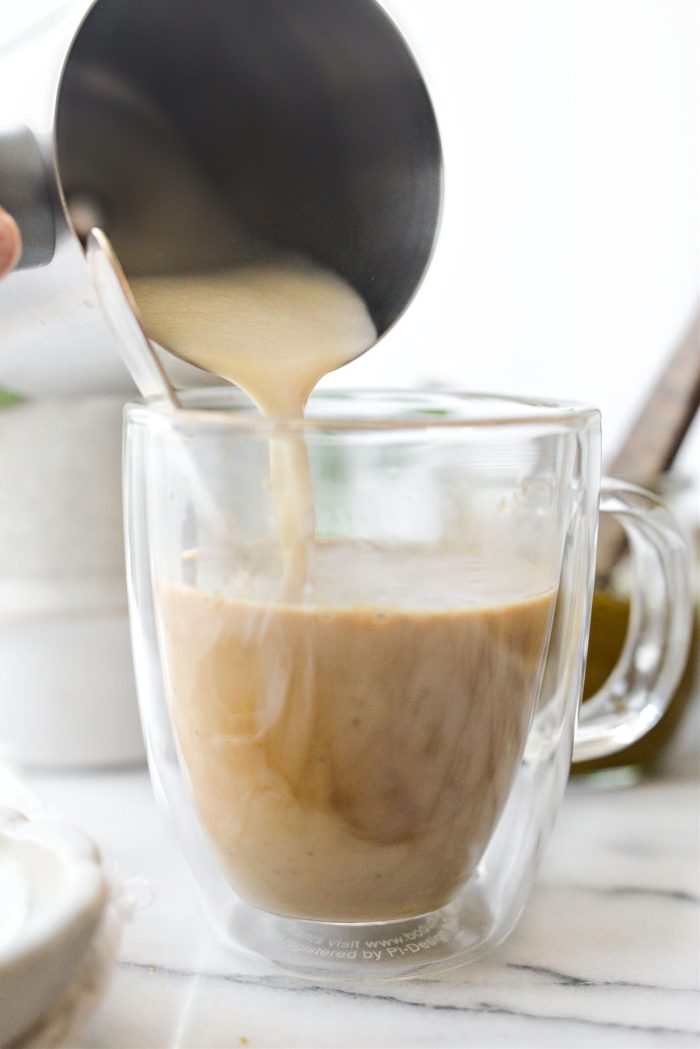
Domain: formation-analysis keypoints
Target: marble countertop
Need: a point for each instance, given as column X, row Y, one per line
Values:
column 606, row 955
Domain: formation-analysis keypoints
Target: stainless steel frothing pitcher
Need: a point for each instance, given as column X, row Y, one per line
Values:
column 202, row 133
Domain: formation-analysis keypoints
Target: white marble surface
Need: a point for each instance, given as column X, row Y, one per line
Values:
column 607, row 953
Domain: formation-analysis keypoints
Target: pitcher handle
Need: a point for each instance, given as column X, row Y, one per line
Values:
column 25, row 193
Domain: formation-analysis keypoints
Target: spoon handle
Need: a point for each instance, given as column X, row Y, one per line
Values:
column 122, row 314
column 666, row 415
column 656, row 435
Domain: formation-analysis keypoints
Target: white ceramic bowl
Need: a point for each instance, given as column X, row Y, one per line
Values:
column 52, row 894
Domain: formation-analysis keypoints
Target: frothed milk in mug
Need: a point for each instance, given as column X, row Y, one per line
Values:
column 349, row 758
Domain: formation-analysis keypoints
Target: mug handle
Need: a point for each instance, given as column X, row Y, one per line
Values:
column 639, row 689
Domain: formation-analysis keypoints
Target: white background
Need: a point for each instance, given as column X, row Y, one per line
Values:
column 568, row 261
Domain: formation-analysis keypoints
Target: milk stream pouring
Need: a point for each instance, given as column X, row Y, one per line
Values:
column 208, row 137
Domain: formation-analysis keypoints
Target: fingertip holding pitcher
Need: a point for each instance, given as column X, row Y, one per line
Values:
column 10, row 243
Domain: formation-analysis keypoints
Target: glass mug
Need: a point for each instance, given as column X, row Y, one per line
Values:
column 363, row 778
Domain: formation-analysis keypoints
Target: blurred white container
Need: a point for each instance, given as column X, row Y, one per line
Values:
column 67, row 694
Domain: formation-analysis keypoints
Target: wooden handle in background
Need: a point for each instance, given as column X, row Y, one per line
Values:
column 656, row 435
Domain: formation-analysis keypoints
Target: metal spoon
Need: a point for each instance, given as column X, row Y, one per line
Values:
column 123, row 317
column 145, row 368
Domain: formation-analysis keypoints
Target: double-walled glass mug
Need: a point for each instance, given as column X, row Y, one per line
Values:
column 363, row 770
